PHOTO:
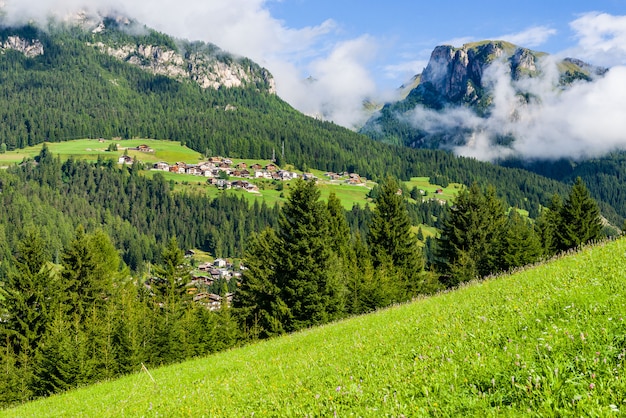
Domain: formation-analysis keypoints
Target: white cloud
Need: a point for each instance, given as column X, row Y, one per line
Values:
column 531, row 37
column 601, row 38
column 340, row 83
column 584, row 120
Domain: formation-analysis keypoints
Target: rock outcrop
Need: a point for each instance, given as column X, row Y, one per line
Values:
column 209, row 71
column 30, row 48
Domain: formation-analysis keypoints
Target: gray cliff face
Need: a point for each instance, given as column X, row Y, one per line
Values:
column 456, row 74
column 30, row 48
column 206, row 70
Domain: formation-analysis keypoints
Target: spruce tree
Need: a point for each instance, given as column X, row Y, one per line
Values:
column 580, row 218
column 548, row 223
column 522, row 245
column 307, row 267
column 470, row 245
column 28, row 296
column 258, row 301
column 392, row 244
column 172, row 274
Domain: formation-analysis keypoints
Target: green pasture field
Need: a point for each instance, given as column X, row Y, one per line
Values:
column 91, row 149
column 545, row 341
column 423, row 183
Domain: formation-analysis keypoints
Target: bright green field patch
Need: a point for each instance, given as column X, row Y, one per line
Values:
column 423, row 183
column 91, row 149
column 547, row 341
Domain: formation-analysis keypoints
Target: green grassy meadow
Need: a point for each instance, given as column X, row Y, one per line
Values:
column 91, row 149
column 545, row 341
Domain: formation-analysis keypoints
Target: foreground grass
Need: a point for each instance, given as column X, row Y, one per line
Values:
column 546, row 341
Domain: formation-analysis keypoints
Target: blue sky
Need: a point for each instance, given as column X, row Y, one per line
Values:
column 357, row 50
column 408, row 31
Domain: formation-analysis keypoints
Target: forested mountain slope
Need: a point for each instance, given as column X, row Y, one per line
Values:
column 68, row 82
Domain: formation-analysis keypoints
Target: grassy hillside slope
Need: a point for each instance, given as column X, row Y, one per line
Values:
column 546, row 341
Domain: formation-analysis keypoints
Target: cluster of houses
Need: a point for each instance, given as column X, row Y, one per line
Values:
column 217, row 168
column 209, row 273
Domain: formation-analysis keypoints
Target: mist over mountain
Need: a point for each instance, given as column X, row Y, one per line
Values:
column 494, row 100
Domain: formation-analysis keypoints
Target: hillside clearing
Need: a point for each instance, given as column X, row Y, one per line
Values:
column 547, row 340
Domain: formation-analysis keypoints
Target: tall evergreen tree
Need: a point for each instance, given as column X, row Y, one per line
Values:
column 90, row 265
column 580, row 218
column 28, row 296
column 172, row 274
column 390, row 240
column 522, row 245
column 470, row 244
column 258, row 301
column 307, row 268
column 548, row 223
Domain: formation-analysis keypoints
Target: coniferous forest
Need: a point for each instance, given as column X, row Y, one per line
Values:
column 94, row 278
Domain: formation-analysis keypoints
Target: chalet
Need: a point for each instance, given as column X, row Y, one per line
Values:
column 144, row 148
column 214, row 301
column 256, row 166
column 287, row 175
column 223, row 184
column 271, row 167
column 162, row 166
column 207, row 172
column 242, row 166
column 205, row 266
column 227, row 161
column 245, row 173
column 206, row 166
column 219, row 262
column 308, row 176
column 125, row 159
column 194, row 170
column 190, row 253
column 200, row 296
column 252, row 187
column 439, row 191
column 239, row 184
column 236, row 173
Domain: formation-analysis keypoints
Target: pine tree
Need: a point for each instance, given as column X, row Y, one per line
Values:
column 258, row 301
column 390, row 240
column 548, row 223
column 307, row 269
column 522, row 245
column 172, row 274
column 29, row 295
column 470, row 243
column 580, row 218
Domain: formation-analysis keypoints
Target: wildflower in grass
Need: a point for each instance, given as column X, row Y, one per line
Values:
column 592, row 386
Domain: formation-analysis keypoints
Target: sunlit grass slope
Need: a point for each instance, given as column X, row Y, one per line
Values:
column 546, row 341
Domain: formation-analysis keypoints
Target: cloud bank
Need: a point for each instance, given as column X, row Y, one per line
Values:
column 584, row 120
